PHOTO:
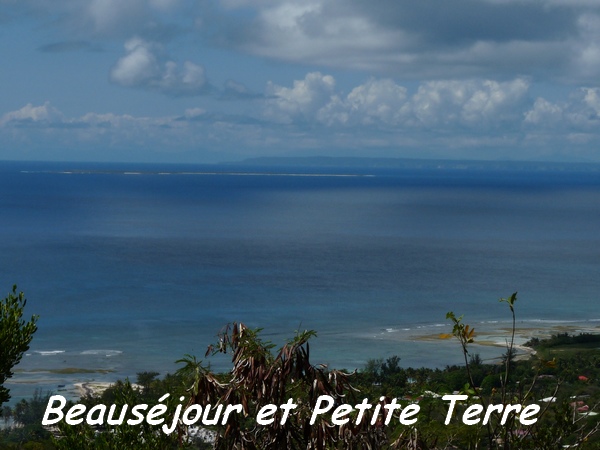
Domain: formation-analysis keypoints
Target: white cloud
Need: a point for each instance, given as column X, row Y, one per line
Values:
column 544, row 113
column 451, row 118
column 447, row 103
column 577, row 116
column 583, row 110
column 376, row 101
column 138, row 67
column 145, row 66
column 438, row 102
column 592, row 98
column 49, row 117
column 45, row 132
column 303, row 100
column 492, row 101
column 32, row 115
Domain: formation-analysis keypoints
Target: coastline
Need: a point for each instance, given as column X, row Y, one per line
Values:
column 490, row 342
column 488, row 336
column 93, row 388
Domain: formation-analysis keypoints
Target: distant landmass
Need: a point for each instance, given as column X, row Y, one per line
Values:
column 427, row 164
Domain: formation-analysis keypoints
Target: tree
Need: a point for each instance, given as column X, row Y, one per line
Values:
column 145, row 379
column 260, row 378
column 124, row 436
column 15, row 336
column 6, row 415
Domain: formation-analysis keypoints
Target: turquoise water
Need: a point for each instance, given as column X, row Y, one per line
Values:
column 130, row 267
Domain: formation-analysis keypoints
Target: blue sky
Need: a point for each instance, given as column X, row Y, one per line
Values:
column 208, row 81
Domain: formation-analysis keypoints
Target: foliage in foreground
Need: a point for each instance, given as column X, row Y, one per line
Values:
column 15, row 336
column 261, row 376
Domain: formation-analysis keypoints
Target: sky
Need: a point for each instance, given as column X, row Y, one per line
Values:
column 224, row 80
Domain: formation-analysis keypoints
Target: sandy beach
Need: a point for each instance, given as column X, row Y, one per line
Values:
column 499, row 335
column 92, row 388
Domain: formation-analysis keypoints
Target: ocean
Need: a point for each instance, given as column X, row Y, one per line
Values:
column 131, row 266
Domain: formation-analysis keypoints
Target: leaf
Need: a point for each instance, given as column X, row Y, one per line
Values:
column 510, row 300
column 551, row 363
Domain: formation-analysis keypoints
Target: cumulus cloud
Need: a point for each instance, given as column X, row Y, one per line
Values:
column 43, row 132
column 583, row 110
column 436, row 119
column 302, row 100
column 29, row 115
column 376, row 101
column 49, row 116
column 383, row 102
column 469, row 102
column 544, row 113
column 145, row 66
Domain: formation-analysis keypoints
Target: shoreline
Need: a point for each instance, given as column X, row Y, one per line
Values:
column 487, row 336
column 92, row 388
column 489, row 341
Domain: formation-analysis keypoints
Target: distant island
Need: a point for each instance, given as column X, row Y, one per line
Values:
column 427, row 164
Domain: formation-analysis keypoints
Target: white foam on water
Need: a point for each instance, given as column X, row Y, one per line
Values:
column 49, row 352
column 106, row 353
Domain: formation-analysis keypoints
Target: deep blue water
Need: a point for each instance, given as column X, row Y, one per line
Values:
column 129, row 271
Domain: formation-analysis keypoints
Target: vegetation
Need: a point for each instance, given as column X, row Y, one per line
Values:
column 563, row 382
column 260, row 378
column 29, row 434
column 582, row 340
column 124, row 436
column 15, row 336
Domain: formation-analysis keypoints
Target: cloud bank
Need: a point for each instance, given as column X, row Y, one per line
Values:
column 426, row 39
column 442, row 118
column 467, row 78
column 553, row 39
